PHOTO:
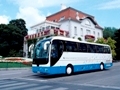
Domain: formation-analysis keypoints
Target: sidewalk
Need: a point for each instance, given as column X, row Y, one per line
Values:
column 2, row 69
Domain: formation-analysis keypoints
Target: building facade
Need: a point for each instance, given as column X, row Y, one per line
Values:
column 77, row 23
column 67, row 22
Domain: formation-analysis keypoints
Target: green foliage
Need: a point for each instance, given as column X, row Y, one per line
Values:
column 32, row 41
column 79, row 38
column 20, row 23
column 101, row 41
column 12, row 65
column 117, row 39
column 90, row 40
column 12, row 37
column 109, row 32
column 110, row 42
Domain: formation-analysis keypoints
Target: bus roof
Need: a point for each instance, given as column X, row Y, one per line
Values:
column 74, row 40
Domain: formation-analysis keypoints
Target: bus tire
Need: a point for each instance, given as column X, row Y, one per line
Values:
column 101, row 66
column 69, row 69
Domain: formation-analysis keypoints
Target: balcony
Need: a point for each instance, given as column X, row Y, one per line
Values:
column 45, row 33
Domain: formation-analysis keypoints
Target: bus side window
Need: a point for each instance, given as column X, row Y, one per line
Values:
column 61, row 47
column 91, row 48
column 54, row 49
column 71, row 46
column 67, row 46
column 99, row 49
column 94, row 48
column 79, row 47
column 82, row 47
column 106, row 49
column 74, row 46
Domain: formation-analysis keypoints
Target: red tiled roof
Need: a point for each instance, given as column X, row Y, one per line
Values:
column 70, row 13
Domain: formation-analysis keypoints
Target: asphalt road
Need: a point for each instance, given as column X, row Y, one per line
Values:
column 24, row 79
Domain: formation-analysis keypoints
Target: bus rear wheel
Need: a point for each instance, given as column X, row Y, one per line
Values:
column 101, row 66
column 69, row 70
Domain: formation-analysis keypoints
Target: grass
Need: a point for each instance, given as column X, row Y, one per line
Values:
column 13, row 65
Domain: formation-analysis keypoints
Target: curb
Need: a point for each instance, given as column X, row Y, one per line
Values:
column 2, row 69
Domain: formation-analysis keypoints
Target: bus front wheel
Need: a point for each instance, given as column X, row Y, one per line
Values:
column 69, row 70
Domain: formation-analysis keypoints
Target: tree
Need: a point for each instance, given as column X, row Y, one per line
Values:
column 109, row 32
column 12, row 37
column 21, row 25
column 117, row 39
column 9, row 39
column 110, row 42
column 101, row 41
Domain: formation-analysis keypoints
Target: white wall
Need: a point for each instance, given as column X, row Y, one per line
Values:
column 69, row 25
column 86, row 25
column 65, row 25
column 39, row 27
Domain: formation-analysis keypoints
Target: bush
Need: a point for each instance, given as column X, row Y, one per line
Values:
column 0, row 57
column 79, row 39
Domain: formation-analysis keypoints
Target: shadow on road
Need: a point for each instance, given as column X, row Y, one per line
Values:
column 64, row 75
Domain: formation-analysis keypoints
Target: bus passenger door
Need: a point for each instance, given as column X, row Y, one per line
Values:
column 57, row 48
column 54, row 52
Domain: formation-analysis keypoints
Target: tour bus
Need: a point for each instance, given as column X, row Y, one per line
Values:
column 62, row 55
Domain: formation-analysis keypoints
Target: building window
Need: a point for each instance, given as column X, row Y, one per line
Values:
column 52, row 27
column 42, row 29
column 98, row 35
column 75, row 30
column 62, row 18
column 57, row 28
column 94, row 32
column 55, row 20
column 37, row 30
column 48, row 27
column 88, row 32
column 81, row 32
column 87, row 22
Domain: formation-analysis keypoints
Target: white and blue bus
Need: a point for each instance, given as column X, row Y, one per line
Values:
column 62, row 55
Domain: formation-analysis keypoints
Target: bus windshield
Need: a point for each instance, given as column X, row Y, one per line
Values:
column 42, row 49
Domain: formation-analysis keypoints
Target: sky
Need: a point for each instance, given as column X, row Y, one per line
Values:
column 106, row 12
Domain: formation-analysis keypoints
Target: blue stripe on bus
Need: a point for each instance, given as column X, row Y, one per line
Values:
column 62, row 69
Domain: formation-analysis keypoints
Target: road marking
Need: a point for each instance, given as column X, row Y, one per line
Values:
column 10, row 73
column 30, row 79
column 40, row 87
column 15, row 84
column 103, row 86
column 100, row 86
column 2, row 83
column 21, row 86
column 60, row 88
